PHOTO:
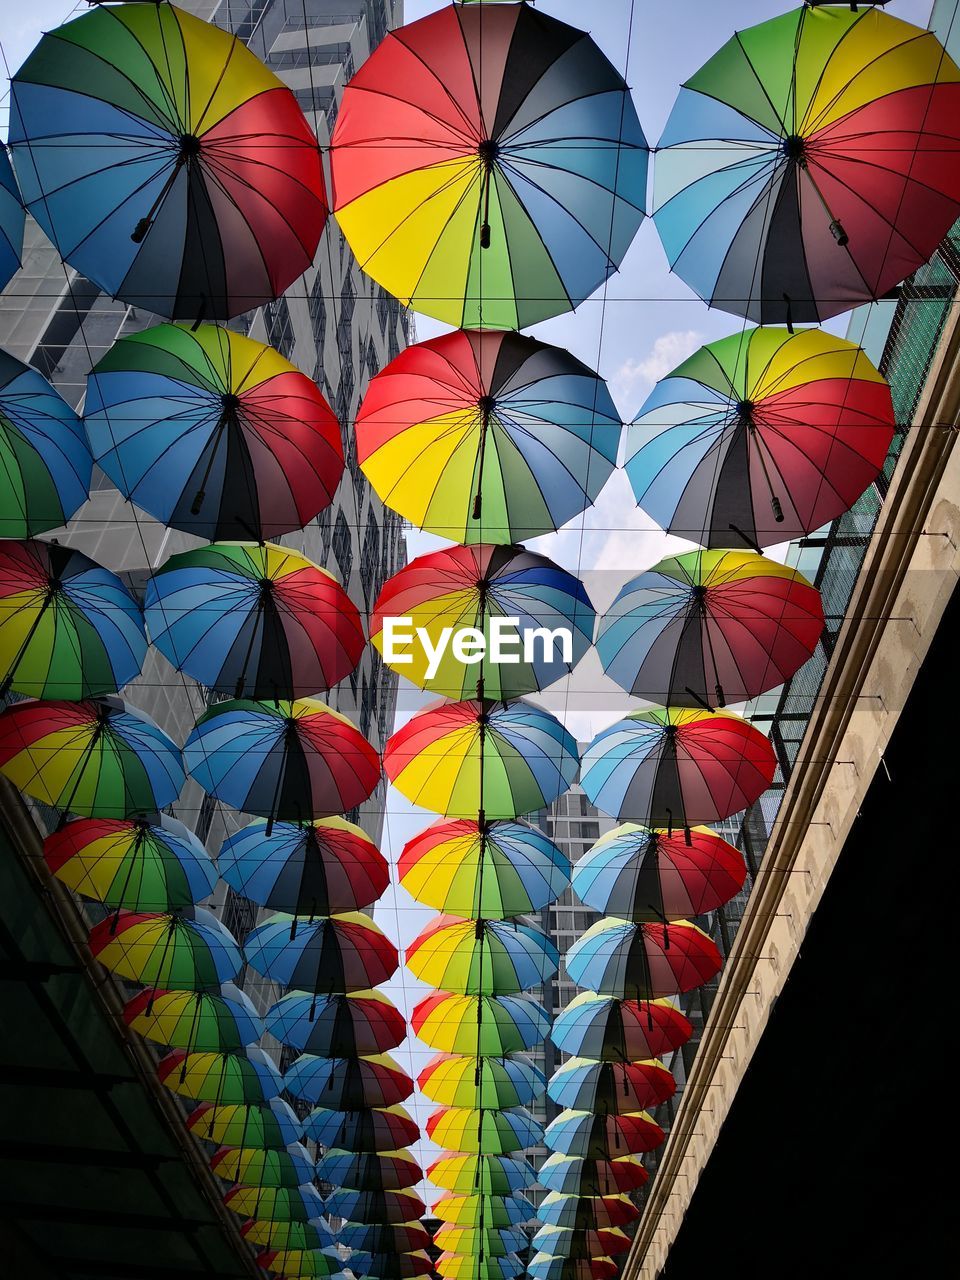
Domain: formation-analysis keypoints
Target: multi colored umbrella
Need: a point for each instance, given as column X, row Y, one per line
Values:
column 489, row 1026
column 492, row 871
column 392, row 1266
column 165, row 162
column 375, row 1206
column 299, row 1264
column 644, row 874
column 364, row 1129
column 487, row 1175
column 560, row 1242
column 580, row 1084
column 642, row 961
column 248, row 1076
column 670, row 766
column 45, row 464
column 573, row 1175
column 456, row 1081
column 289, row 760
column 481, row 957
column 489, row 166
column 255, row 1167
column 485, row 437
column 611, row 1030
column 275, row 1204
column 386, row 1171
column 68, row 627
column 12, row 220
column 485, row 1133
column 544, row 1266
column 182, row 951
column 760, row 437
column 581, row 1133
column 337, row 1026
column 384, row 1237
column 331, row 955
column 483, row 1210
column 710, row 627
column 100, row 757
column 312, row 868
column 457, row 1266
column 501, row 760
column 214, row 1021
column 480, row 1242
column 132, row 864
column 345, row 1084
column 272, row 1125
column 289, row 1235
column 811, row 164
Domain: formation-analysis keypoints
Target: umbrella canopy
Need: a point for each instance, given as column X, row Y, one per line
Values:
column 481, row 957
column 364, row 1129
column 132, row 863
column 45, row 464
column 165, row 162
column 455, row 1081
column 272, row 1125
column 375, row 1206
column 508, row 595
column 348, row 1083
column 489, row 1026
column 384, row 1237
column 644, row 874
column 491, row 871
column 100, row 757
column 391, row 1266
column 482, row 1175
column 611, row 1030
column 213, row 1021
column 642, row 961
column 310, row 868
column 544, row 1266
column 483, row 1210
column 710, row 627
column 341, row 1026
column 485, row 1133
column 587, row 1243
column 581, row 1084
column 171, row 951
column 810, row 164
column 457, row 1266
column 275, row 1204
column 292, row 760
column 672, row 766
column 68, row 627
column 331, row 955
column 385, row 1171
column 486, row 437
column 502, row 204
column 594, row 1212
column 248, row 1076
column 461, row 758
column 254, row 1167
column 760, row 437
column 581, row 1133
column 290, row 1235
column 480, row 1242
column 574, row 1175
column 298, row 1264
column 12, row 220
column 257, row 620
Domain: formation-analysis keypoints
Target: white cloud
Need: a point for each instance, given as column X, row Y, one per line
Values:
column 634, row 380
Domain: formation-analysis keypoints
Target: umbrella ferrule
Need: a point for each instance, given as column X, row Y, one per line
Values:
column 795, row 149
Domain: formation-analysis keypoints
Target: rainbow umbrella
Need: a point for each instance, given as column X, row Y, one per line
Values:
column 642, row 961
column 275, row 1204
column 331, row 955
column 492, row 871
column 388, row 1265
column 345, row 1084
column 248, row 1076
column 544, row 1266
column 458, row 1266
column 363, row 1129
column 461, row 758
column 486, row 437
column 384, row 1237
column 574, row 1175
column 482, row 1175
column 483, row 1132
column 257, row 1167
column 171, row 951
column 289, row 1235
column 215, row 1021
column 612, row 1030
column 367, row 1171
column 488, row 1026
column 272, row 1125
column 811, row 164
column 644, row 874
column 68, row 627
column 12, row 221
column 481, row 957
column 480, row 1242
column 289, row 760
column 580, row 1084
column 482, row 1083
column 311, row 868
column 710, row 627
column 165, row 162
column 100, row 757
column 300, row 1264
column 483, row 1210
column 375, row 1207
column 760, row 437
column 560, row 1242
column 674, row 766
column 45, row 465
column 337, row 1025
column 602, row 1137
column 132, row 864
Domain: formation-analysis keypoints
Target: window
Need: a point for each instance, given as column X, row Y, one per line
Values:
column 279, row 326
column 585, row 830
column 342, row 548
column 317, row 308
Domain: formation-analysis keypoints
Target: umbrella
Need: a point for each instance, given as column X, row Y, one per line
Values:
column 391, row 1266
column 593, row 1212
column 810, row 164
column 612, row 1030
column 499, row 205
column 581, row 1133
column 340, row 1026
column 482, row 1175
column 487, row 437
column 581, row 1084
column 275, row 1204
column 172, row 951
column 458, row 1266
column 68, row 627
column 132, row 863
column 375, row 1207
column 574, row 1175
column 543, row 1266
column 272, row 1125
column 248, row 1076
column 676, row 766
column 461, row 758
column 297, row 1264
column 508, row 595
column 365, row 1129
column 642, row 961
column 483, row 1210
column 12, row 220
column 588, row 1243
column 644, row 874
column 384, row 1237
column 292, row 760
column 481, row 957
column 490, row 1026
column 760, row 437
column 455, row 1081
column 257, row 620
column 99, row 757
column 328, row 956
column 345, row 1084
column 386, row 1171
column 485, row 1133
column 480, row 1242
column 255, row 1167
column 710, row 627
column 495, row 870
column 214, row 1021
column 45, row 464
column 311, row 868
column 165, row 162
column 290, row 1235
